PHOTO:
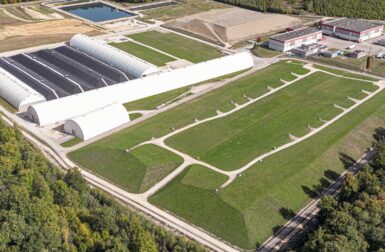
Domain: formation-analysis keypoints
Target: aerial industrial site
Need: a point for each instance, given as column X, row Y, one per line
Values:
column 223, row 124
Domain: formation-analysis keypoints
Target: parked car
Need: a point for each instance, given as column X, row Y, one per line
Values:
column 351, row 47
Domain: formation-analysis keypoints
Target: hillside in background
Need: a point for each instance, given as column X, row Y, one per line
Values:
column 43, row 209
column 373, row 9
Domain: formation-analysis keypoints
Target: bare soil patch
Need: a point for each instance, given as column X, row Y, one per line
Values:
column 24, row 35
column 232, row 24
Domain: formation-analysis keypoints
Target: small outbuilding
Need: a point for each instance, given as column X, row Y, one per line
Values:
column 97, row 122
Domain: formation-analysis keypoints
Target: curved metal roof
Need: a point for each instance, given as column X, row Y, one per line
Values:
column 123, row 61
column 97, row 122
column 67, row 107
column 16, row 92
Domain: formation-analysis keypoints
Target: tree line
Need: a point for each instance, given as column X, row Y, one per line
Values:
column 373, row 9
column 355, row 221
column 44, row 209
column 15, row 1
column 276, row 6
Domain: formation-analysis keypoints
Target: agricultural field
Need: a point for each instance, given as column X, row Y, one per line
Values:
column 145, row 53
column 177, row 45
column 254, row 205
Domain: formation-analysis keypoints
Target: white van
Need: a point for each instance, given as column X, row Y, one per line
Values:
column 351, row 47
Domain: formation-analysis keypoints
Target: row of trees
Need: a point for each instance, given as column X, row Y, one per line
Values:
column 277, row 6
column 42, row 209
column 356, row 220
column 373, row 9
column 14, row 1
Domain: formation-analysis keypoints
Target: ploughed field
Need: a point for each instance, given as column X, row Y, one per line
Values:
column 257, row 203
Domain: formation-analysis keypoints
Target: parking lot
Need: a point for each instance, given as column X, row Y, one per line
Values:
column 367, row 46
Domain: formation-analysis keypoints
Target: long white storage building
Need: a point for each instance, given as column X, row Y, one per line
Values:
column 62, row 109
column 97, row 122
column 16, row 92
column 352, row 29
column 123, row 61
column 293, row 39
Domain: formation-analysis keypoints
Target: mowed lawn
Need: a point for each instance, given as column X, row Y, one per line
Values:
column 110, row 151
column 145, row 53
column 135, row 171
column 152, row 102
column 178, row 46
column 231, row 142
column 259, row 202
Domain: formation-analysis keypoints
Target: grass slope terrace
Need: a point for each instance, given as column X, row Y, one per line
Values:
column 115, row 164
column 135, row 171
column 231, row 142
column 269, row 193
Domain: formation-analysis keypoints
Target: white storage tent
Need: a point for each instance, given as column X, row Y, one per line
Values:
column 97, row 122
column 125, row 62
column 67, row 107
column 16, row 92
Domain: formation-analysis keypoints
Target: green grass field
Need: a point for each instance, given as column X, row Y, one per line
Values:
column 233, row 141
column 135, row 171
column 255, row 205
column 354, row 64
column 109, row 149
column 178, row 46
column 134, row 116
column 264, row 52
column 145, row 53
column 7, row 106
column 346, row 74
column 246, row 212
column 72, row 142
column 150, row 103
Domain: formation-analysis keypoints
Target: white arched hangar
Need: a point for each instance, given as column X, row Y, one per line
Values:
column 97, row 122
column 16, row 92
column 68, row 107
column 123, row 61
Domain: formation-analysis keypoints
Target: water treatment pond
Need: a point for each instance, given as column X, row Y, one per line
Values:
column 97, row 12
